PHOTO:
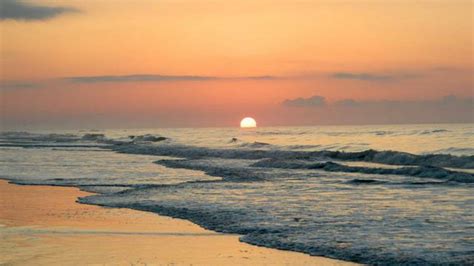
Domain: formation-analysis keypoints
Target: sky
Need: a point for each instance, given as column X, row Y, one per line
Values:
column 182, row 63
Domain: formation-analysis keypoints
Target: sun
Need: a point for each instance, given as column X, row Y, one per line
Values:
column 248, row 122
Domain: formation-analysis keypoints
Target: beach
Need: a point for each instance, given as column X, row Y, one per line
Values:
column 96, row 198
column 44, row 225
column 236, row 132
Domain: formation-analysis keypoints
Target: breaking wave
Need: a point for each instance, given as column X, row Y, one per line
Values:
column 417, row 171
column 383, row 157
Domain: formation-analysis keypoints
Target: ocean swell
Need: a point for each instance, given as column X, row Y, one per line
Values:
column 383, row 157
column 417, row 171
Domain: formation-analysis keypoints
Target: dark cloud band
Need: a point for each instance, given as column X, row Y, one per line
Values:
column 373, row 76
column 17, row 10
column 157, row 78
column 314, row 101
column 318, row 101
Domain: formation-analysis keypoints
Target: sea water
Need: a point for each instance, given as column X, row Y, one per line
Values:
column 394, row 194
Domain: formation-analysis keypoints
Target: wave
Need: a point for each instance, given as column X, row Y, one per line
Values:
column 26, row 139
column 358, row 181
column 383, row 157
column 303, row 147
column 249, row 172
column 79, row 149
column 382, row 133
column 418, row 171
column 93, row 136
column 403, row 158
column 53, row 137
column 389, row 132
column 434, row 131
column 255, row 144
column 139, row 145
column 280, row 132
column 282, row 227
column 147, row 137
column 235, row 174
column 455, row 150
column 36, row 145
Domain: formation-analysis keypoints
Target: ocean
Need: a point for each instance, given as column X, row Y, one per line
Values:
column 380, row 194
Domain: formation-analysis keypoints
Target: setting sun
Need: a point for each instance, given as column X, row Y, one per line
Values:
column 248, row 122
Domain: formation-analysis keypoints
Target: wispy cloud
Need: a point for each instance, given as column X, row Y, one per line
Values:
column 319, row 101
column 314, row 101
column 365, row 76
column 359, row 76
column 45, row 83
column 135, row 78
column 157, row 78
column 449, row 100
column 452, row 109
column 15, row 85
column 19, row 10
column 266, row 77
column 350, row 76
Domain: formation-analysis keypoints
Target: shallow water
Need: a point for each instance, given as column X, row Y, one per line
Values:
column 280, row 187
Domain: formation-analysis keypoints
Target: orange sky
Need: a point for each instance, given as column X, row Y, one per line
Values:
column 360, row 50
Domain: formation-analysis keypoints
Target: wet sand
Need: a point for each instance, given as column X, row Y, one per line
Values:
column 42, row 225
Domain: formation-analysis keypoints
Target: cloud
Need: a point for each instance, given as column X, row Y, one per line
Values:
column 447, row 109
column 157, row 78
column 45, row 83
column 18, row 10
column 365, row 76
column 135, row 78
column 446, row 101
column 314, row 101
column 164, row 77
column 347, row 102
column 359, row 76
column 318, row 101
column 266, row 77
column 14, row 85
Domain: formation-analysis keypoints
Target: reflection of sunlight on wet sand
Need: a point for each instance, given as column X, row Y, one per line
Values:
column 48, row 227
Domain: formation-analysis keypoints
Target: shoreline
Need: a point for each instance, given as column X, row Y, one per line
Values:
column 46, row 225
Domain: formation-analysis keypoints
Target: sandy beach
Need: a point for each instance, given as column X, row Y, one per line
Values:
column 44, row 225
